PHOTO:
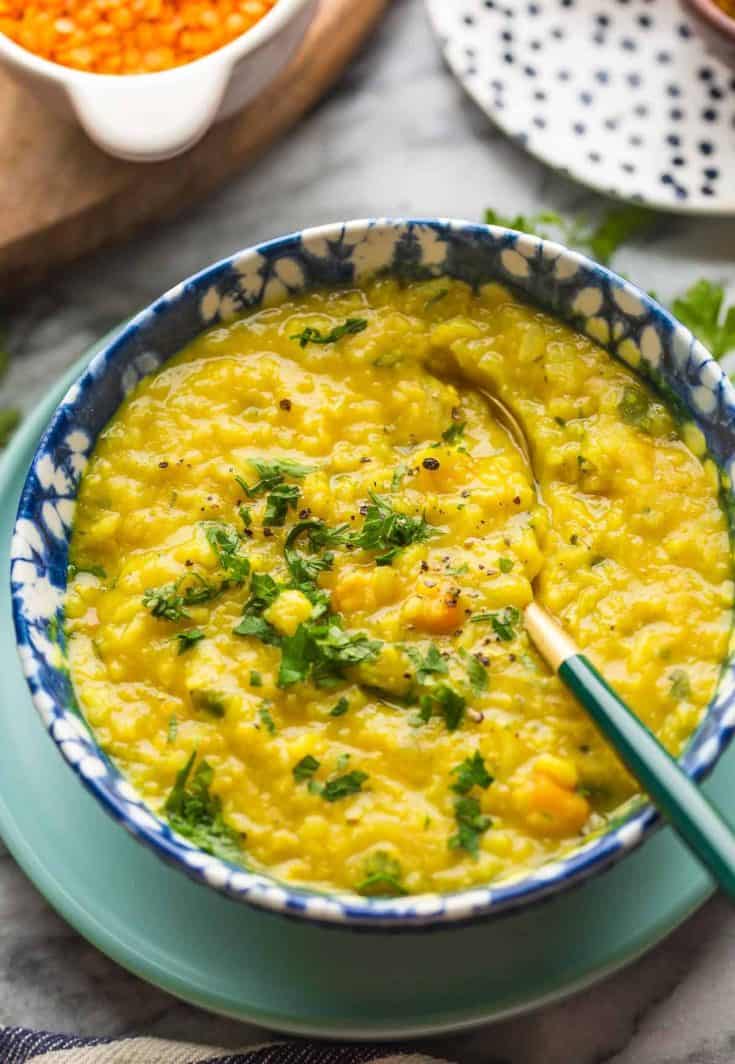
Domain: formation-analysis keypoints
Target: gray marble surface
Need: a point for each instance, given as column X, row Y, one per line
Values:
column 396, row 136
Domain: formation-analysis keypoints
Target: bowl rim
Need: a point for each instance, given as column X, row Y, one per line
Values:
column 259, row 889
column 228, row 55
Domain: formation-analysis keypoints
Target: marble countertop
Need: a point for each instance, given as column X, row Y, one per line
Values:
column 396, row 136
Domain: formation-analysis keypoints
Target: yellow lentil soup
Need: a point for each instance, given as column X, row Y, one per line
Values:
column 300, row 557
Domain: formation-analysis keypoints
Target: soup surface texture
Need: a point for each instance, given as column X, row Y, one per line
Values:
column 300, row 556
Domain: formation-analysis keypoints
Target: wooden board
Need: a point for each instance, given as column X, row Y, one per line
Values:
column 61, row 197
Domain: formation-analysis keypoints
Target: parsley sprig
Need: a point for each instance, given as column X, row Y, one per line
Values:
column 349, row 327
column 700, row 308
column 382, row 877
column 389, row 531
column 194, row 812
column 470, row 773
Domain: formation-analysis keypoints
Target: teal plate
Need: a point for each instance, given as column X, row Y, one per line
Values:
column 264, row 969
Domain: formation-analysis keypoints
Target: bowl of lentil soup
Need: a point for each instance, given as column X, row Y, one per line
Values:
column 272, row 552
column 147, row 78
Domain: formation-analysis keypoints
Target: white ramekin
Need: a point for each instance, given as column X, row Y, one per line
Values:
column 149, row 117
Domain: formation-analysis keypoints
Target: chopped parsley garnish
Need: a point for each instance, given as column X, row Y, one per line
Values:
column 271, row 473
column 382, row 877
column 194, row 812
column 635, row 408
column 263, row 592
column 471, row 773
column 189, row 638
column 256, row 680
column 681, row 688
column 321, row 651
column 340, row 708
column 266, row 719
column 170, row 600
column 389, row 531
column 305, row 768
column 245, row 516
column 454, row 432
column 476, row 674
column 432, row 663
column 282, row 498
column 172, row 731
column 471, row 824
column 348, row 327
column 503, row 622
column 318, row 535
column 505, row 564
column 165, row 602
column 701, row 310
column 213, row 702
column 601, row 239
column 444, row 701
column 96, row 570
column 398, row 474
column 343, row 786
column 225, row 542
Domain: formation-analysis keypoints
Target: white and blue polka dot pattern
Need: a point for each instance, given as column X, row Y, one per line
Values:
column 622, row 95
column 564, row 283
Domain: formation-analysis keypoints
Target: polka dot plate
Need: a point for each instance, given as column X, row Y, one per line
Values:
column 622, row 95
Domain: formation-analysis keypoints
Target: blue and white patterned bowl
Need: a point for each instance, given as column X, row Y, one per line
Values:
column 609, row 309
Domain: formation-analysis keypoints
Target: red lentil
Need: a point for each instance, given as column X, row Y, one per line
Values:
column 127, row 36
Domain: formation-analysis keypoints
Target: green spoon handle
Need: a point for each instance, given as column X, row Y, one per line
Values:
column 676, row 796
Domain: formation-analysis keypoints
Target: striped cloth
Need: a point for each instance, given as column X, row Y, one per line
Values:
column 18, row 1045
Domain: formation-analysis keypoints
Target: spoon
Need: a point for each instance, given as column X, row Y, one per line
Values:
column 675, row 795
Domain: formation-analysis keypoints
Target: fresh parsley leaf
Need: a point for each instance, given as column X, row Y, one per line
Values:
column 454, row 432
column 321, row 652
column 348, row 327
column 319, row 535
column 256, row 680
column 165, row 602
column 616, row 227
column 431, row 664
column 271, row 473
column 700, row 309
column 476, row 674
column 681, row 689
column 388, row 530
column 382, row 877
column 471, row 773
column 503, row 622
column 266, row 719
column 225, row 542
column 398, row 474
column 635, row 408
column 305, row 768
column 263, row 592
column 213, row 702
column 9, row 420
column 189, row 638
column 343, row 786
column 471, row 824
column 340, row 708
column 75, row 567
column 600, row 238
column 172, row 731
column 445, row 702
column 505, row 564
column 245, row 516
column 279, row 501
column 194, row 812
